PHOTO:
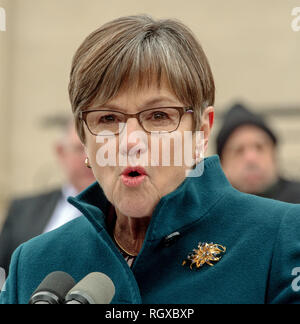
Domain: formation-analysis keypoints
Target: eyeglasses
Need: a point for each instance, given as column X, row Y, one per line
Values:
column 103, row 122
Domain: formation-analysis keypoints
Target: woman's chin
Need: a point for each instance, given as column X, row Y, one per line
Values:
column 136, row 208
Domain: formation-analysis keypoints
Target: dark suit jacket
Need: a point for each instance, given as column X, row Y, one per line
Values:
column 284, row 190
column 27, row 217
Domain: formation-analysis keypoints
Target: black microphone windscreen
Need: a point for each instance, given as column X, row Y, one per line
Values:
column 57, row 283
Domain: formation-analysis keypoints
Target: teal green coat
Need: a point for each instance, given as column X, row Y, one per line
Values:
column 262, row 238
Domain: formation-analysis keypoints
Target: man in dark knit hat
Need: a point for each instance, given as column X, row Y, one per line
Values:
column 248, row 148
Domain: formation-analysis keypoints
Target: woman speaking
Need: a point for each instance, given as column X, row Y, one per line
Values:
column 164, row 230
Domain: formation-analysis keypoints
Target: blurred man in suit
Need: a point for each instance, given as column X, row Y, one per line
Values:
column 247, row 147
column 30, row 216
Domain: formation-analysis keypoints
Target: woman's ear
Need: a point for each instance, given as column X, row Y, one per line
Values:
column 207, row 122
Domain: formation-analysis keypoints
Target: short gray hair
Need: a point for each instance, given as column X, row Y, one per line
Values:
column 130, row 52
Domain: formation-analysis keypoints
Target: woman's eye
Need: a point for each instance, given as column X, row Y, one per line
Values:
column 159, row 115
column 108, row 119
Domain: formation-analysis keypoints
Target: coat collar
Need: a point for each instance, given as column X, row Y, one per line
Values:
column 191, row 201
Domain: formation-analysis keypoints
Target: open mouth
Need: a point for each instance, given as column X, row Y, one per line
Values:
column 133, row 176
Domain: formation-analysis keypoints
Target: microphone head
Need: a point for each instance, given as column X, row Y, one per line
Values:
column 53, row 289
column 95, row 288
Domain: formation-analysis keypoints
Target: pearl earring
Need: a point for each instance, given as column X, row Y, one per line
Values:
column 87, row 163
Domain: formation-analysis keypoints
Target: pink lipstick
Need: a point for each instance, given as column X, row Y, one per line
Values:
column 133, row 176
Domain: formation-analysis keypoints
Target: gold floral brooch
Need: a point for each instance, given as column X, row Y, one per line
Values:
column 206, row 253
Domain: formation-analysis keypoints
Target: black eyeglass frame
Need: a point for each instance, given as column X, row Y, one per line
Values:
column 182, row 110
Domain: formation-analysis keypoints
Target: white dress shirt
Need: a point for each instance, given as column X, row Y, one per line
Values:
column 63, row 212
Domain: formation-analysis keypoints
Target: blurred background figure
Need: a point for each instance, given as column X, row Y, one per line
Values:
column 30, row 216
column 247, row 147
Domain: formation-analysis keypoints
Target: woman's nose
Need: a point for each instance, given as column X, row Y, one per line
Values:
column 132, row 125
column 133, row 139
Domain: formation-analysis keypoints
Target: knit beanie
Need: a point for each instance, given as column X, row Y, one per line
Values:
column 238, row 116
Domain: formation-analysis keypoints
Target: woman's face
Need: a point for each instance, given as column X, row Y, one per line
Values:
column 136, row 194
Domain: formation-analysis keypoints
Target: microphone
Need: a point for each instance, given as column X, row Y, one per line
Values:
column 95, row 288
column 53, row 289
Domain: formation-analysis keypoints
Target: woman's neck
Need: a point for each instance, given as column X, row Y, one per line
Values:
column 130, row 232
